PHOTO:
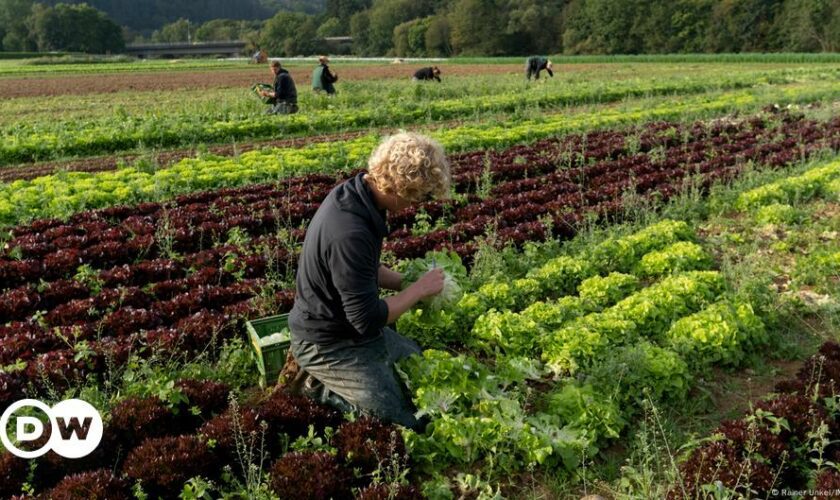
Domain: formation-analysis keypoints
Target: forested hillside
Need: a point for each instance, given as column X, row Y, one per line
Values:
column 462, row 27
column 152, row 14
column 497, row 27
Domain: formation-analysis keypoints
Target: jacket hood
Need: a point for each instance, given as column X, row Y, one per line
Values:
column 355, row 196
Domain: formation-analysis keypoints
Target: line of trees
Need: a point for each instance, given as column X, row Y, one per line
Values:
column 451, row 27
column 101, row 26
column 26, row 26
column 144, row 16
column 516, row 27
column 519, row 27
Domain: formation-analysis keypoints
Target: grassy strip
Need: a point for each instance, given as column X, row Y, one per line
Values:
column 740, row 58
column 20, row 67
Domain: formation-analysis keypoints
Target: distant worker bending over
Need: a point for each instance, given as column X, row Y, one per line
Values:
column 322, row 78
column 284, row 96
column 535, row 64
column 430, row 73
column 338, row 323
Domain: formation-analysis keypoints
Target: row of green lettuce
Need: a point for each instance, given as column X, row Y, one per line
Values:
column 65, row 193
column 26, row 142
column 603, row 340
column 633, row 319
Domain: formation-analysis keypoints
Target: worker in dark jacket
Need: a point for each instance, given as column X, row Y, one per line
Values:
column 430, row 73
column 322, row 78
column 535, row 64
column 284, row 96
column 338, row 323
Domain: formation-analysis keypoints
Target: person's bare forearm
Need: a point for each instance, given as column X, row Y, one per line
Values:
column 389, row 279
column 429, row 284
column 400, row 303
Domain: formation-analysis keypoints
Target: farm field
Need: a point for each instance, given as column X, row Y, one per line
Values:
column 647, row 253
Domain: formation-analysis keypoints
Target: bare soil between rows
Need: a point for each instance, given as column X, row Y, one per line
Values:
column 35, row 86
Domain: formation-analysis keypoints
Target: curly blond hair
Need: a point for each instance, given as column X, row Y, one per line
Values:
column 410, row 165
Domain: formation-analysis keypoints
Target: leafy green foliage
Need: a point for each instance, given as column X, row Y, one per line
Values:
column 587, row 409
column 813, row 183
column 654, row 308
column 509, row 332
column 621, row 254
column 583, row 342
column 647, row 313
column 819, row 269
column 443, row 383
column 561, row 275
column 598, row 292
column 721, row 334
column 641, row 371
column 776, row 213
column 431, row 329
column 833, row 189
column 477, row 414
column 679, row 257
column 454, row 273
column 550, row 315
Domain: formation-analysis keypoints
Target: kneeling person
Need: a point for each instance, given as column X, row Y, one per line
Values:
column 430, row 73
column 338, row 322
column 284, row 96
column 535, row 64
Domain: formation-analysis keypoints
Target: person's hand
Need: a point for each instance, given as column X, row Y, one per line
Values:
column 430, row 283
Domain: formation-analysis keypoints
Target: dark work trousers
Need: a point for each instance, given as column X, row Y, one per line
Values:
column 362, row 374
column 283, row 108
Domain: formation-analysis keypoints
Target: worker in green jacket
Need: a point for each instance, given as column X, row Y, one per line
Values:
column 322, row 78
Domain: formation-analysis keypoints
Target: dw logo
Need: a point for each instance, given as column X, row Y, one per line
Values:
column 76, row 428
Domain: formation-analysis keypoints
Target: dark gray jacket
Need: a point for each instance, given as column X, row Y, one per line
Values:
column 426, row 74
column 338, row 271
column 284, row 87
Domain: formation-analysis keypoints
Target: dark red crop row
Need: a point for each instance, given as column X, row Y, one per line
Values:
column 776, row 444
column 177, row 276
column 565, row 196
column 161, row 447
column 147, row 281
column 704, row 152
column 579, row 150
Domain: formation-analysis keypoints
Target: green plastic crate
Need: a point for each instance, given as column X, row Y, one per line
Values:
column 270, row 358
column 263, row 86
